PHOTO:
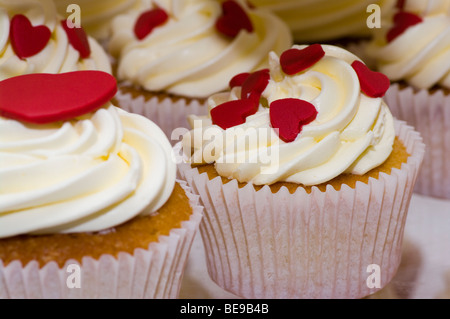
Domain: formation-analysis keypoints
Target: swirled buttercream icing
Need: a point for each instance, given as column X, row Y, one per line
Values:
column 83, row 175
column 418, row 54
column 96, row 15
column 187, row 55
column 352, row 132
column 57, row 56
column 323, row 20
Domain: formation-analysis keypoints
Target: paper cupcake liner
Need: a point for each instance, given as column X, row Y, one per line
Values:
column 429, row 113
column 167, row 114
column 318, row 245
column 155, row 272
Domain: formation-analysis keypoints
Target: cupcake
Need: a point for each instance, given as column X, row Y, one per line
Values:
column 89, row 202
column 171, row 55
column 96, row 15
column 305, row 177
column 54, row 48
column 411, row 51
column 324, row 20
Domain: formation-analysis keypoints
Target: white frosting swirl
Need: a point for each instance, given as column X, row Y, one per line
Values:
column 352, row 133
column 84, row 175
column 96, row 15
column 57, row 57
column 427, row 62
column 187, row 56
column 320, row 20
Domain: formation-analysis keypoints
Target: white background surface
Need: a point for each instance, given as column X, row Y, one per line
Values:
column 424, row 272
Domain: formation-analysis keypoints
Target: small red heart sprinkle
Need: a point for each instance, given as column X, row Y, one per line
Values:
column 26, row 39
column 290, row 115
column 78, row 39
column 233, row 113
column 238, row 79
column 149, row 20
column 373, row 84
column 293, row 61
column 402, row 21
column 42, row 98
column 255, row 84
column 233, row 19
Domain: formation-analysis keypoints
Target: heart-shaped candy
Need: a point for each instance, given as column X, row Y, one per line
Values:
column 238, row 79
column 402, row 21
column 290, row 115
column 78, row 39
column 233, row 113
column 233, row 19
column 149, row 20
column 42, row 98
column 293, row 61
column 255, row 84
column 373, row 84
column 26, row 39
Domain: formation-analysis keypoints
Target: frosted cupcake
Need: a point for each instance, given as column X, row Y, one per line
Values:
column 55, row 48
column 412, row 52
column 96, row 15
column 324, row 20
column 305, row 177
column 89, row 203
column 171, row 55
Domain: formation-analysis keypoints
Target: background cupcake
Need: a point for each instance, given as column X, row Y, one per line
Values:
column 411, row 51
column 322, row 192
column 324, row 20
column 96, row 15
column 167, row 70
column 54, row 49
column 87, row 186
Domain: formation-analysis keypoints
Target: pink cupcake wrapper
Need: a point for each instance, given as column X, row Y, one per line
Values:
column 167, row 114
column 318, row 245
column 430, row 115
column 155, row 272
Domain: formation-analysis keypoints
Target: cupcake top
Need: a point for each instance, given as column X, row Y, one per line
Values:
column 73, row 162
column 323, row 20
column 191, row 48
column 413, row 47
column 316, row 113
column 34, row 39
column 96, row 15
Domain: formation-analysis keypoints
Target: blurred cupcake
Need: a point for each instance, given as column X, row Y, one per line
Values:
column 89, row 203
column 34, row 39
column 305, row 177
column 171, row 55
column 324, row 20
column 96, row 15
column 412, row 52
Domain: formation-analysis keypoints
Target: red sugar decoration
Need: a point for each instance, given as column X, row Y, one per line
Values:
column 294, row 60
column 233, row 113
column 290, row 115
column 255, row 84
column 27, row 40
column 149, row 20
column 402, row 21
column 373, row 84
column 78, row 39
column 42, row 98
column 233, row 19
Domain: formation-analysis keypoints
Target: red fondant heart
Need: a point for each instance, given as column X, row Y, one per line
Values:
column 373, row 84
column 26, row 39
column 233, row 19
column 290, row 115
column 78, row 39
column 149, row 20
column 45, row 98
column 233, row 113
column 238, row 79
column 402, row 21
column 294, row 60
column 255, row 84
